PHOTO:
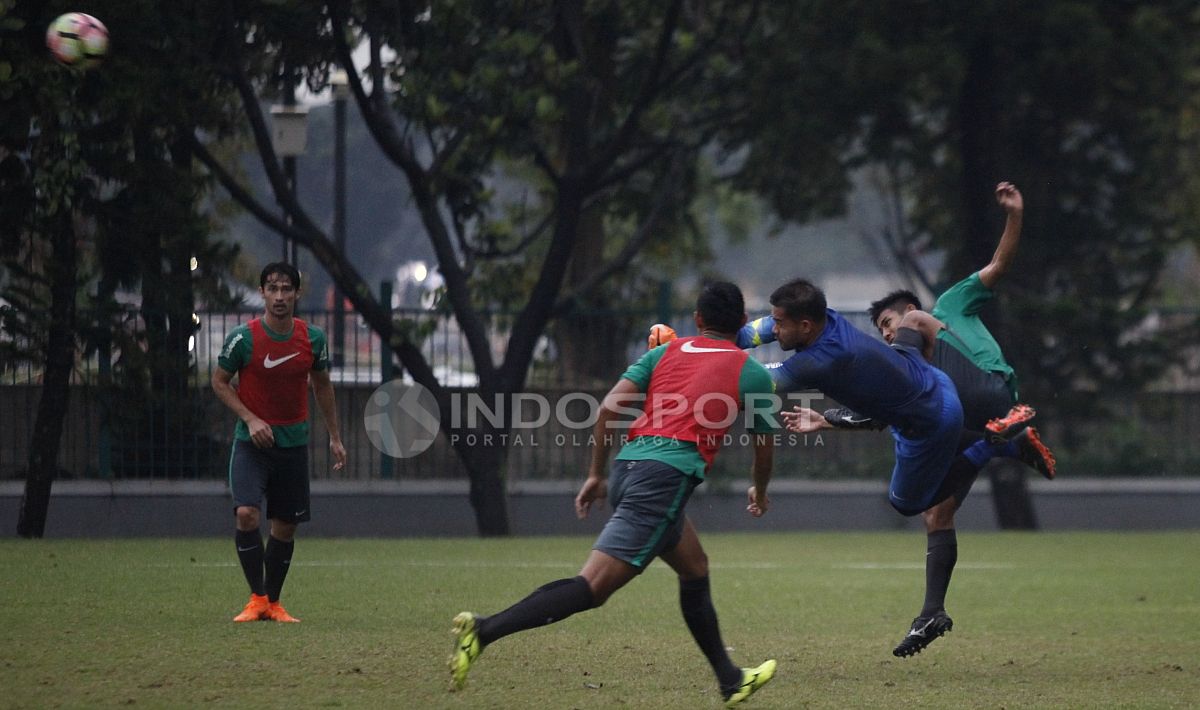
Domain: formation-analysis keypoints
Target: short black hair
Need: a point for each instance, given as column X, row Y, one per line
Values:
column 280, row 267
column 896, row 300
column 800, row 299
column 721, row 306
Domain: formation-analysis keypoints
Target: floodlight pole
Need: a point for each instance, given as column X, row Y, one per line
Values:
column 289, row 244
column 289, row 170
column 289, row 136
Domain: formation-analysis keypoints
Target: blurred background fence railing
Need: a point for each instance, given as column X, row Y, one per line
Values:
column 123, row 423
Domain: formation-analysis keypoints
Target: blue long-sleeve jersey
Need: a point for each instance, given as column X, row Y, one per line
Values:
column 858, row 371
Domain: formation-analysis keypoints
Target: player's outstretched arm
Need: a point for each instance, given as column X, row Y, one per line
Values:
column 1008, row 197
column 803, row 420
column 757, row 332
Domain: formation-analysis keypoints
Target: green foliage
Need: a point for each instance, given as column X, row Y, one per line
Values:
column 44, row 183
column 102, row 150
column 1089, row 108
column 545, row 147
column 1036, row 620
column 515, row 95
column 95, row 118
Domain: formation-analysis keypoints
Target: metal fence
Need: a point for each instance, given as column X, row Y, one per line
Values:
column 120, row 426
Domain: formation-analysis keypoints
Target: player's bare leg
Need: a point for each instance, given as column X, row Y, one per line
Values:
column 690, row 562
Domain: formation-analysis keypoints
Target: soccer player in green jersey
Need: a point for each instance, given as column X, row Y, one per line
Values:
column 987, row 387
column 275, row 358
column 691, row 391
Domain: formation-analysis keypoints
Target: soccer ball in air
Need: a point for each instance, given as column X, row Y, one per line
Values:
column 77, row 40
column 660, row 335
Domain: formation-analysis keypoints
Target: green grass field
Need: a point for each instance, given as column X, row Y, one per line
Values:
column 1041, row 621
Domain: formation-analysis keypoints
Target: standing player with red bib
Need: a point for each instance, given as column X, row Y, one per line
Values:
column 694, row 389
column 274, row 357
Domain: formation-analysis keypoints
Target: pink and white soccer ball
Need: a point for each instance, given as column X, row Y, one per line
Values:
column 77, row 40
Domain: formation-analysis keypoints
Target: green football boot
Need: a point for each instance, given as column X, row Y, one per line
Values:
column 466, row 649
column 752, row 680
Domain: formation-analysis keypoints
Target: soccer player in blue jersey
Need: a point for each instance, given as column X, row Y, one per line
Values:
column 693, row 389
column 936, row 459
column 987, row 386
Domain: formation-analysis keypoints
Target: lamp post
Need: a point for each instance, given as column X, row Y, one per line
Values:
column 341, row 91
column 289, row 135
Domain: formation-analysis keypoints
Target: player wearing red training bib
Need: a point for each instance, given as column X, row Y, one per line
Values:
column 274, row 358
column 275, row 385
column 694, row 390
column 677, row 373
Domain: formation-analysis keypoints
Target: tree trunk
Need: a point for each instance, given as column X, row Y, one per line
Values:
column 56, row 385
column 978, row 126
column 585, row 339
column 1010, row 496
column 488, row 496
column 183, row 417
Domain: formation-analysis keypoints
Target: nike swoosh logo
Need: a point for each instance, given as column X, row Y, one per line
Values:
column 247, row 549
column 269, row 363
column 690, row 347
column 852, row 420
column 921, row 631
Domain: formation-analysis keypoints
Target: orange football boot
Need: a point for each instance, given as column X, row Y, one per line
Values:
column 1002, row 429
column 1035, row 453
column 256, row 609
column 276, row 612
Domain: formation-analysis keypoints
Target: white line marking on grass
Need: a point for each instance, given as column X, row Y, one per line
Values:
column 365, row 563
column 466, row 564
column 470, row 564
column 921, row 566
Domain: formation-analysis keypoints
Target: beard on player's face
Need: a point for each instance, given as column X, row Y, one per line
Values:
column 279, row 295
column 785, row 329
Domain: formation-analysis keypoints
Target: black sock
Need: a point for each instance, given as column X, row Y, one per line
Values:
column 277, row 558
column 962, row 474
column 547, row 604
column 695, row 600
column 250, row 554
column 939, row 565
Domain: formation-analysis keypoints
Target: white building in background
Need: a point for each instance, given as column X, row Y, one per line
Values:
column 856, row 291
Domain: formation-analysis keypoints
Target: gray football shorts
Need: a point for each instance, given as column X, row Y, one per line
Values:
column 280, row 475
column 648, row 498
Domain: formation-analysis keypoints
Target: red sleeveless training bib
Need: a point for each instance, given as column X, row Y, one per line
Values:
column 274, row 384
